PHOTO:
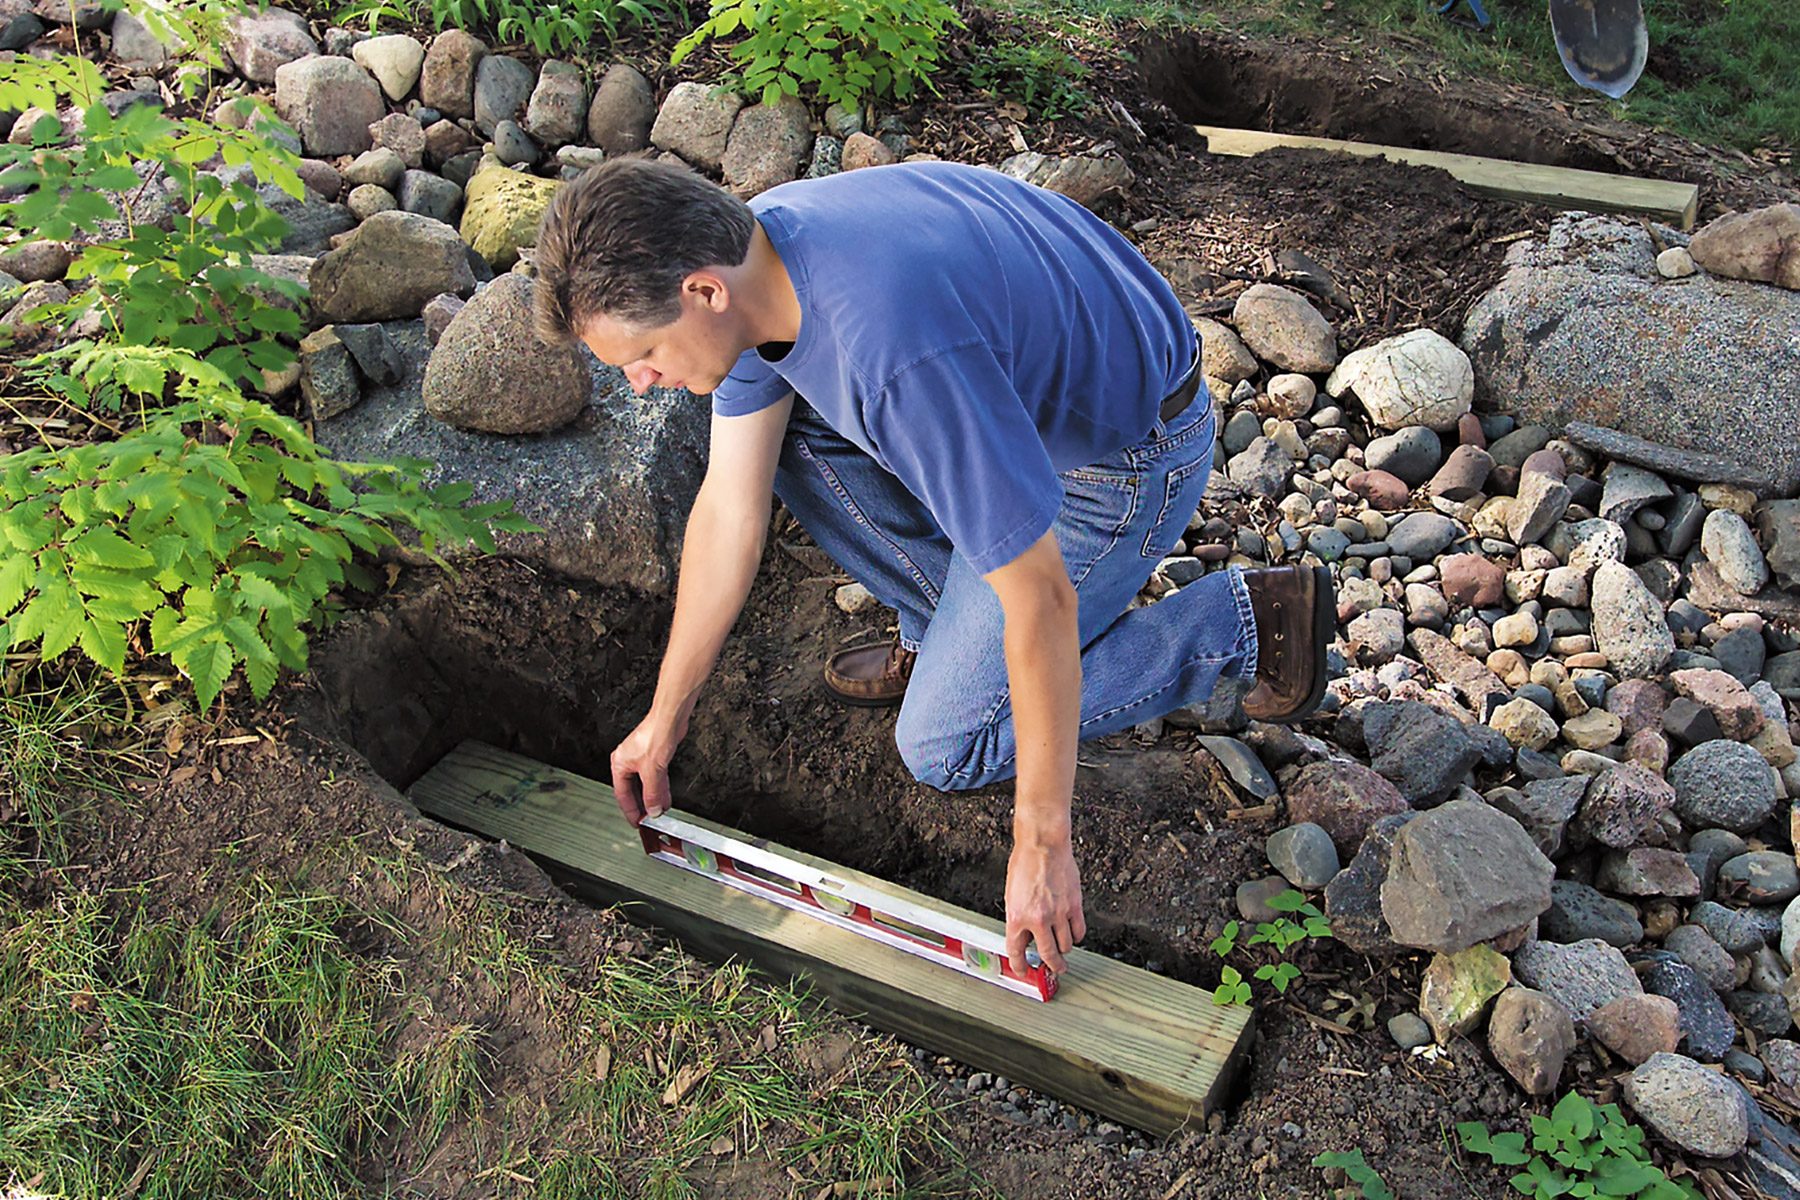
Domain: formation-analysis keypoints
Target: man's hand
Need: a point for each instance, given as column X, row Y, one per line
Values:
column 640, row 770
column 1043, row 903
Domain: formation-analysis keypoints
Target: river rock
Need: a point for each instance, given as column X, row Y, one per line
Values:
column 1461, row 874
column 768, row 143
column 1723, row 784
column 1628, row 622
column 1415, row 378
column 623, row 110
column 1343, row 798
column 1283, row 328
column 1578, row 913
column 394, row 59
column 1637, row 1027
column 556, row 113
column 695, row 122
column 1689, row 1106
column 447, row 79
column 1729, row 545
column 260, row 43
column 1705, row 1020
column 1353, row 898
column 1624, row 804
column 389, row 267
column 1304, row 855
column 330, row 102
column 502, row 212
column 1457, row 987
column 490, row 373
column 1530, row 1036
column 1762, row 245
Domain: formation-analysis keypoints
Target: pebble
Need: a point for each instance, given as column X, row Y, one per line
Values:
column 1524, row 722
column 1411, row 454
column 1456, row 989
column 1242, row 764
column 856, row 599
column 1409, row 1030
column 1704, row 1017
column 1303, row 854
column 1581, row 976
column 1766, row 1013
column 1629, row 627
column 1531, row 1035
column 1729, row 927
column 1689, row 1106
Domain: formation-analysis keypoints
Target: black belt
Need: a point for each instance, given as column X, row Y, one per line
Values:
column 1176, row 402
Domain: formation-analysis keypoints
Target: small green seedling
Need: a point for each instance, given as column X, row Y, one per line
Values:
column 1583, row 1150
column 1232, row 989
column 1226, row 942
column 1367, row 1179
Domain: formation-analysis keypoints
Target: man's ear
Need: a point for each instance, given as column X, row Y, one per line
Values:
column 709, row 288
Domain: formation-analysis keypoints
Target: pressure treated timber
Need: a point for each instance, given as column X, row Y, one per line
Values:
column 1559, row 187
column 1137, row 1047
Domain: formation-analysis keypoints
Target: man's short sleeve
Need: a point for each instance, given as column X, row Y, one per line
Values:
column 751, row 387
column 953, row 428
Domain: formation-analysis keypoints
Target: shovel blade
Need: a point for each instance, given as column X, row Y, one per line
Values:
column 1602, row 43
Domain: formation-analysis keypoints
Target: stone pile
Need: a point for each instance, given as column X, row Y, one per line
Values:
column 1559, row 743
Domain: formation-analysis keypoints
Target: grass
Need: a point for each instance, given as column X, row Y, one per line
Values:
column 259, row 1052
column 676, row 1073
column 49, row 770
column 1735, row 63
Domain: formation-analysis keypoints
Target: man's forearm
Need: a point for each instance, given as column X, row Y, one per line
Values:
column 1043, row 666
column 719, row 556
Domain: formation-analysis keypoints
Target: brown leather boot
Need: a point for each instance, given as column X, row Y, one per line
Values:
column 873, row 675
column 1296, row 616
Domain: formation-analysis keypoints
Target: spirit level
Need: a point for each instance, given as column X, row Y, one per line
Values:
column 763, row 870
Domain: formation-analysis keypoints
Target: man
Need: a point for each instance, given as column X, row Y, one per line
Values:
column 982, row 402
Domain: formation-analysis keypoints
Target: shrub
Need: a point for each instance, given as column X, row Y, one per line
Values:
column 1046, row 79
column 842, row 50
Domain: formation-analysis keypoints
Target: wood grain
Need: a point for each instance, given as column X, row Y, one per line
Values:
column 1137, row 1047
column 1559, row 187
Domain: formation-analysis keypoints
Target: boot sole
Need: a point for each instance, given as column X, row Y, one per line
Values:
column 1324, row 629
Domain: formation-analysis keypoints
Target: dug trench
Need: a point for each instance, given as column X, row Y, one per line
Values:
column 559, row 672
column 1318, row 91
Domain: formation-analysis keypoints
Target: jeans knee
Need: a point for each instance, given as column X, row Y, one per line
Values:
column 949, row 762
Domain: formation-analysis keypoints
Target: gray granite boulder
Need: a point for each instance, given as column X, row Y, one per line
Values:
column 490, row 373
column 1583, row 328
column 611, row 490
column 389, row 268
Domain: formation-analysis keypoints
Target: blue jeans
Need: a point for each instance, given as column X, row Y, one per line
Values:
column 1119, row 518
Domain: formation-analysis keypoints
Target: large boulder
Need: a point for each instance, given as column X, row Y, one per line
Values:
column 1460, row 874
column 611, row 490
column 491, row 374
column 389, row 268
column 502, row 210
column 1583, row 329
column 1416, row 378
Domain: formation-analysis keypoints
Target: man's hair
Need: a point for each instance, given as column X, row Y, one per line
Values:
column 620, row 238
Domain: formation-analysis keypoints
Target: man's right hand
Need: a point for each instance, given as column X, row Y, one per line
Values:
column 640, row 770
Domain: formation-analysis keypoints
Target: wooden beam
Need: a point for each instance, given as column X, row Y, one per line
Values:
column 1675, row 204
column 1138, row 1048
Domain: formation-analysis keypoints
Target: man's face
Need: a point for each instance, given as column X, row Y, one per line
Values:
column 695, row 351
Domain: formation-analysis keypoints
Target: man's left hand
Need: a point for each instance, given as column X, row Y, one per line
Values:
column 1043, row 903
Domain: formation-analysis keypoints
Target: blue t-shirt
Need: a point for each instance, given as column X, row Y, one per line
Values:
column 974, row 333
